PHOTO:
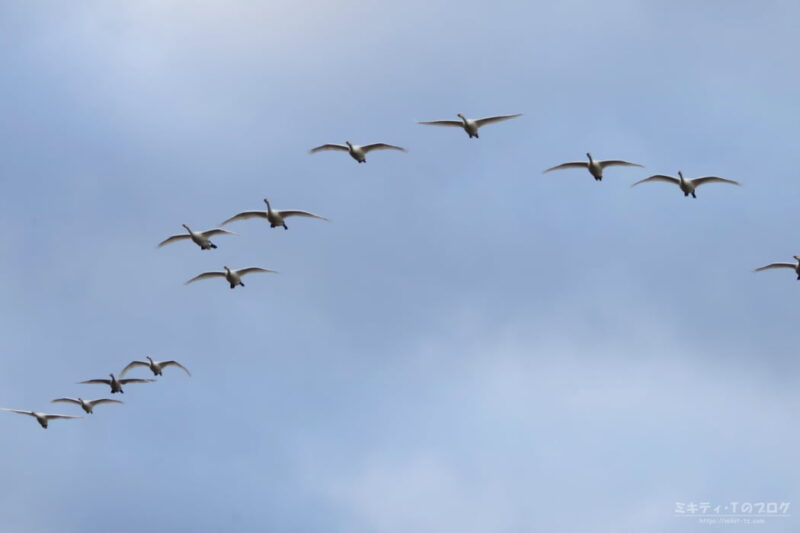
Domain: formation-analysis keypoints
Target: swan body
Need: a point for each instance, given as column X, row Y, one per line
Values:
column 87, row 406
column 359, row 153
column 200, row 238
column 114, row 383
column 793, row 266
column 594, row 166
column 469, row 125
column 275, row 218
column 234, row 277
column 156, row 367
column 42, row 418
column 686, row 185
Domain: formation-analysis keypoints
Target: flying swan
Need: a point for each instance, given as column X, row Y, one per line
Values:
column 687, row 186
column 274, row 217
column 42, row 418
column 87, row 406
column 234, row 277
column 200, row 238
column 470, row 125
column 356, row 152
column 114, row 383
column 595, row 167
column 155, row 366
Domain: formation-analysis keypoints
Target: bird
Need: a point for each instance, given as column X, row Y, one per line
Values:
column 234, row 277
column 356, row 152
column 155, row 366
column 793, row 266
column 274, row 217
column 42, row 418
column 200, row 238
column 687, row 186
column 114, row 383
column 470, row 125
column 87, row 406
column 595, row 167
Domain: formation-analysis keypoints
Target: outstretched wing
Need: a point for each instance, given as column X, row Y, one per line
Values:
column 381, row 146
column 712, row 179
column 617, row 163
column 57, row 417
column 206, row 275
column 776, row 265
column 66, row 400
column 174, row 238
column 216, row 231
column 452, row 123
column 254, row 270
column 296, row 213
column 95, row 382
column 29, row 413
column 165, row 364
column 492, row 120
column 132, row 364
column 326, row 147
column 244, row 215
column 659, row 177
column 574, row 164
column 135, row 380
column 101, row 401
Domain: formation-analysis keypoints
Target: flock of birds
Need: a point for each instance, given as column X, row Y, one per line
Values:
column 277, row 218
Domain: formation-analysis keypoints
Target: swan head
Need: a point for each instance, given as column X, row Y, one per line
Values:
column 112, row 376
column 680, row 175
column 148, row 358
column 460, row 115
column 226, row 268
column 266, row 202
column 185, row 226
column 588, row 155
column 797, row 257
column 348, row 143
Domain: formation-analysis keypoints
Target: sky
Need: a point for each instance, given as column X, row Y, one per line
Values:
column 468, row 345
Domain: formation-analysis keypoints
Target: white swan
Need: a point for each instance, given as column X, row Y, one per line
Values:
column 275, row 218
column 470, row 125
column 356, row 152
column 793, row 266
column 687, row 186
column 87, row 406
column 155, row 366
column 594, row 166
column 42, row 418
column 200, row 238
column 114, row 383
column 234, row 277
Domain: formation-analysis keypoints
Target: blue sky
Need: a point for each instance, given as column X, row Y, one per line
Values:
column 469, row 345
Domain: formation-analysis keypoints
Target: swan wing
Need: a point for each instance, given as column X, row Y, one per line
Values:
column 776, row 265
column 381, row 146
column 133, row 364
column 29, row 413
column 172, row 239
column 66, row 400
column 165, row 364
column 206, row 275
column 216, row 231
column 574, row 164
column 713, row 179
column 659, row 177
column 296, row 213
column 492, row 120
column 452, row 123
column 95, row 382
column 254, row 270
column 326, row 147
column 135, row 380
column 58, row 417
column 244, row 215
column 617, row 163
column 101, row 401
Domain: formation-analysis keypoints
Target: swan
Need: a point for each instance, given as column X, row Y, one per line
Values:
column 234, row 277
column 795, row 267
column 470, row 125
column 200, row 238
column 42, row 418
column 356, row 152
column 86, row 406
column 595, row 167
column 275, row 218
column 155, row 366
column 687, row 186
column 114, row 383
